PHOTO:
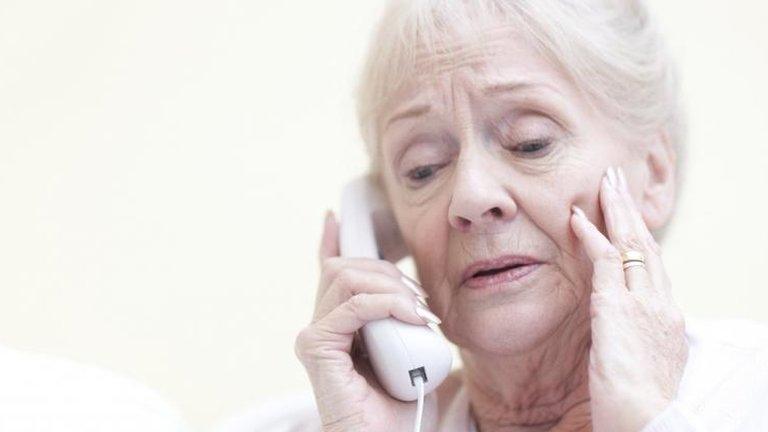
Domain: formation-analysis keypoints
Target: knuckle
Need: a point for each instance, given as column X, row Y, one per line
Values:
column 359, row 301
column 381, row 266
column 403, row 301
column 629, row 241
column 390, row 268
column 346, row 278
column 301, row 342
column 601, row 299
column 602, row 283
column 331, row 266
column 610, row 256
column 330, row 269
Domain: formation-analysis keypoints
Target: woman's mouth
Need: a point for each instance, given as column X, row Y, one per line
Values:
column 498, row 271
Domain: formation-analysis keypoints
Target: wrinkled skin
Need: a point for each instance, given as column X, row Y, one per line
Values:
column 487, row 157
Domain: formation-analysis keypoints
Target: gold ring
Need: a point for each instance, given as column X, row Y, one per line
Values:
column 632, row 258
column 629, row 264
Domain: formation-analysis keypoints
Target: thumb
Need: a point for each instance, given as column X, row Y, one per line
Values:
column 329, row 243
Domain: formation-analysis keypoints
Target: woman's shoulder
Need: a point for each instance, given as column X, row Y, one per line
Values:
column 728, row 334
column 726, row 379
column 295, row 412
column 724, row 349
column 38, row 388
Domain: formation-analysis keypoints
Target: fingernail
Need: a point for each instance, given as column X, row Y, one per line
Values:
column 415, row 282
column 611, row 176
column 622, row 179
column 578, row 211
column 427, row 315
column 605, row 181
column 414, row 286
column 328, row 215
column 422, row 300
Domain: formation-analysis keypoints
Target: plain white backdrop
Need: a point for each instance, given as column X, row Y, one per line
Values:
column 165, row 166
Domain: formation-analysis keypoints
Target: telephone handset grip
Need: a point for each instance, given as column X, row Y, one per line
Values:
column 398, row 351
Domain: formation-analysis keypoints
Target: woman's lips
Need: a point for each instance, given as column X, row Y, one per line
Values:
column 508, row 275
column 485, row 268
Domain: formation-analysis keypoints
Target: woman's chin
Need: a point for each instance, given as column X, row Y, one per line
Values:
column 515, row 333
column 511, row 328
column 516, row 319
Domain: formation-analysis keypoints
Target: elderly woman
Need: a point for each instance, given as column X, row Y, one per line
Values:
column 529, row 150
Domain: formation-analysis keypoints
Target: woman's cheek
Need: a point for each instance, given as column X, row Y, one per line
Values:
column 427, row 239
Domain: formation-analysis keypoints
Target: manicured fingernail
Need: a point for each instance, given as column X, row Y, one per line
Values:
column 414, row 286
column 422, row 300
column 415, row 282
column 611, row 175
column 622, row 180
column 427, row 315
column 578, row 211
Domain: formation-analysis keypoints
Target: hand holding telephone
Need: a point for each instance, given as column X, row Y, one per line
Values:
column 399, row 352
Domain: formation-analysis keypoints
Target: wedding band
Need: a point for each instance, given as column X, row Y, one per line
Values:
column 629, row 264
column 632, row 258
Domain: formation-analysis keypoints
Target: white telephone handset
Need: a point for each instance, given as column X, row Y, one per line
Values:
column 398, row 351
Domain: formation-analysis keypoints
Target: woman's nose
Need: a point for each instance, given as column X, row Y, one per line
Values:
column 479, row 203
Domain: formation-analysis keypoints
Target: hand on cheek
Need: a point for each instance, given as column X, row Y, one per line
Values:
column 639, row 349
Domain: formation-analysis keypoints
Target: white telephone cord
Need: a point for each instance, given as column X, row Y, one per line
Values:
column 419, row 381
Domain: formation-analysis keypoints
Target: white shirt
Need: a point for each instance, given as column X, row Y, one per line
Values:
column 724, row 388
column 39, row 393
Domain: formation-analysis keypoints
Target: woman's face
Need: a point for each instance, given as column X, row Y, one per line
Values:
column 482, row 160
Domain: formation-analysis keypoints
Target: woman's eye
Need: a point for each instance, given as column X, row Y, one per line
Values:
column 422, row 173
column 532, row 147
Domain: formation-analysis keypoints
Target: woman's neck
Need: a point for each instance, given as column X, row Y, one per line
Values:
column 541, row 390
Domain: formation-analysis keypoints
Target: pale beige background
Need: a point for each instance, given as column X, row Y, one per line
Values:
column 165, row 165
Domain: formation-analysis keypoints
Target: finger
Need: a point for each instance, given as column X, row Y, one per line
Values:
column 362, row 308
column 636, row 219
column 329, row 243
column 653, row 259
column 332, row 266
column 352, row 281
column 622, row 230
column 606, row 273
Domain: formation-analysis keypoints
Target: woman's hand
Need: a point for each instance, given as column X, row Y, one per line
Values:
column 352, row 292
column 639, row 349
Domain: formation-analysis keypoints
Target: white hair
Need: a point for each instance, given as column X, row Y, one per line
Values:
column 611, row 49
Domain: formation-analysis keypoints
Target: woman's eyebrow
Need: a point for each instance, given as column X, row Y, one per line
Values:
column 496, row 87
column 491, row 88
column 504, row 87
column 409, row 112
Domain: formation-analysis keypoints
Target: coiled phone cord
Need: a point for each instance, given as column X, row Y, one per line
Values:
column 419, row 381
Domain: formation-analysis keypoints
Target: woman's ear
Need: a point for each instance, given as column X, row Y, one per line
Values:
column 657, row 201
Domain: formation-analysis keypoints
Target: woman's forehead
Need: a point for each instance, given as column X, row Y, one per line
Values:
column 457, row 50
column 504, row 61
